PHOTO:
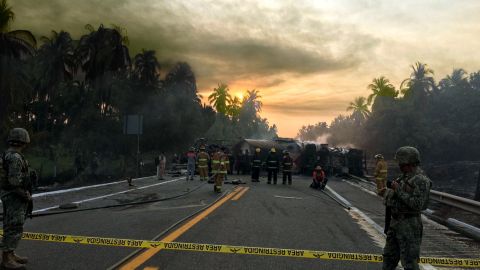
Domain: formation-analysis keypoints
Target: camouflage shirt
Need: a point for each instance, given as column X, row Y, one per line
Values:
column 17, row 172
column 412, row 195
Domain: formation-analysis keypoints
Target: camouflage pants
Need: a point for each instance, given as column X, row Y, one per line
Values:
column 403, row 244
column 14, row 210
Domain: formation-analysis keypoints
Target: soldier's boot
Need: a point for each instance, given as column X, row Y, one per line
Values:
column 9, row 263
column 20, row 259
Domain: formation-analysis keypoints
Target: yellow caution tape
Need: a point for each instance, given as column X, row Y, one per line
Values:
column 260, row 251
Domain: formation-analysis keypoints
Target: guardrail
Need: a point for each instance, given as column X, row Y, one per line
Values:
column 456, row 201
column 448, row 199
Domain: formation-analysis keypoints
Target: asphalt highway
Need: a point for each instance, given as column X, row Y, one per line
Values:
column 252, row 214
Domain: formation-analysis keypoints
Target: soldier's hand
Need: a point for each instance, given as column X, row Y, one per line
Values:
column 395, row 185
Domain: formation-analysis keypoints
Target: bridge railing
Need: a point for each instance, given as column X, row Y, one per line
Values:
column 456, row 201
column 469, row 205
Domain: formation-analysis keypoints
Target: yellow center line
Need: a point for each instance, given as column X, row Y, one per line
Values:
column 151, row 268
column 145, row 256
column 240, row 194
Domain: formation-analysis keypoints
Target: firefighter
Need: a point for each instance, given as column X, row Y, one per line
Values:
column 272, row 166
column 287, row 164
column 381, row 174
column 222, row 170
column 215, row 164
column 256, row 164
column 202, row 159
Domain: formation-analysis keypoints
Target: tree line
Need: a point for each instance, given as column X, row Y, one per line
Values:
column 440, row 118
column 73, row 93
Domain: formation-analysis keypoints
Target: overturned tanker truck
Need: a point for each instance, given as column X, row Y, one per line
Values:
column 306, row 155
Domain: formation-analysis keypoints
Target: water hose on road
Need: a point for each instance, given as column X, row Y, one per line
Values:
column 166, row 231
column 328, row 195
column 117, row 205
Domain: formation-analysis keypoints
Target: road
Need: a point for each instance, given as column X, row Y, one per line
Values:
column 254, row 214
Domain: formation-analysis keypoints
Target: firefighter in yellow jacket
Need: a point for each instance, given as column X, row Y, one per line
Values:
column 215, row 164
column 202, row 159
column 381, row 174
column 222, row 170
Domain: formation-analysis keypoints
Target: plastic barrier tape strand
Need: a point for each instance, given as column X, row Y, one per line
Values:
column 261, row 251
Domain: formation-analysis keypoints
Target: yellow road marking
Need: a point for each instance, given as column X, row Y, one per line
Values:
column 151, row 268
column 240, row 194
column 145, row 256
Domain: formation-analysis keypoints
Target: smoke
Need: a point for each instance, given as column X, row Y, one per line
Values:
column 323, row 139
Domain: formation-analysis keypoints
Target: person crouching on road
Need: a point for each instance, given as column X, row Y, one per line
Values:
column 191, row 159
column 319, row 179
column 15, row 196
column 287, row 164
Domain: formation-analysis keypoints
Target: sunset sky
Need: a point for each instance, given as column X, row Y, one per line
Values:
column 309, row 59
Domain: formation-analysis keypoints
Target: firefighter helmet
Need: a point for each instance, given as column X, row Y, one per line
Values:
column 407, row 155
column 378, row 156
column 273, row 150
column 18, row 136
column 257, row 150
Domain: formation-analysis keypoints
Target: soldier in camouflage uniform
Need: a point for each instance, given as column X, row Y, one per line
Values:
column 407, row 198
column 15, row 196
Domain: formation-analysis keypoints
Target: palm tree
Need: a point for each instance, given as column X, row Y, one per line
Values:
column 474, row 80
column 102, row 54
column 15, row 46
column 234, row 107
column 181, row 80
column 220, row 98
column 381, row 87
column 360, row 108
column 253, row 97
column 458, row 79
column 420, row 82
column 146, row 67
column 56, row 62
column 17, row 43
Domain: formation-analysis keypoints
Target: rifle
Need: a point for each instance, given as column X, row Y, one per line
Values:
column 388, row 212
column 33, row 178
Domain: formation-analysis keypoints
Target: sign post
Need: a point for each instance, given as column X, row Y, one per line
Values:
column 133, row 125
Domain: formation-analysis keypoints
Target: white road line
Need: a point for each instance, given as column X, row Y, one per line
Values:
column 56, row 192
column 285, row 197
column 109, row 195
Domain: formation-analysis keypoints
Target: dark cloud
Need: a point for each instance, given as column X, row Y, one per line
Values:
column 314, row 105
column 222, row 41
